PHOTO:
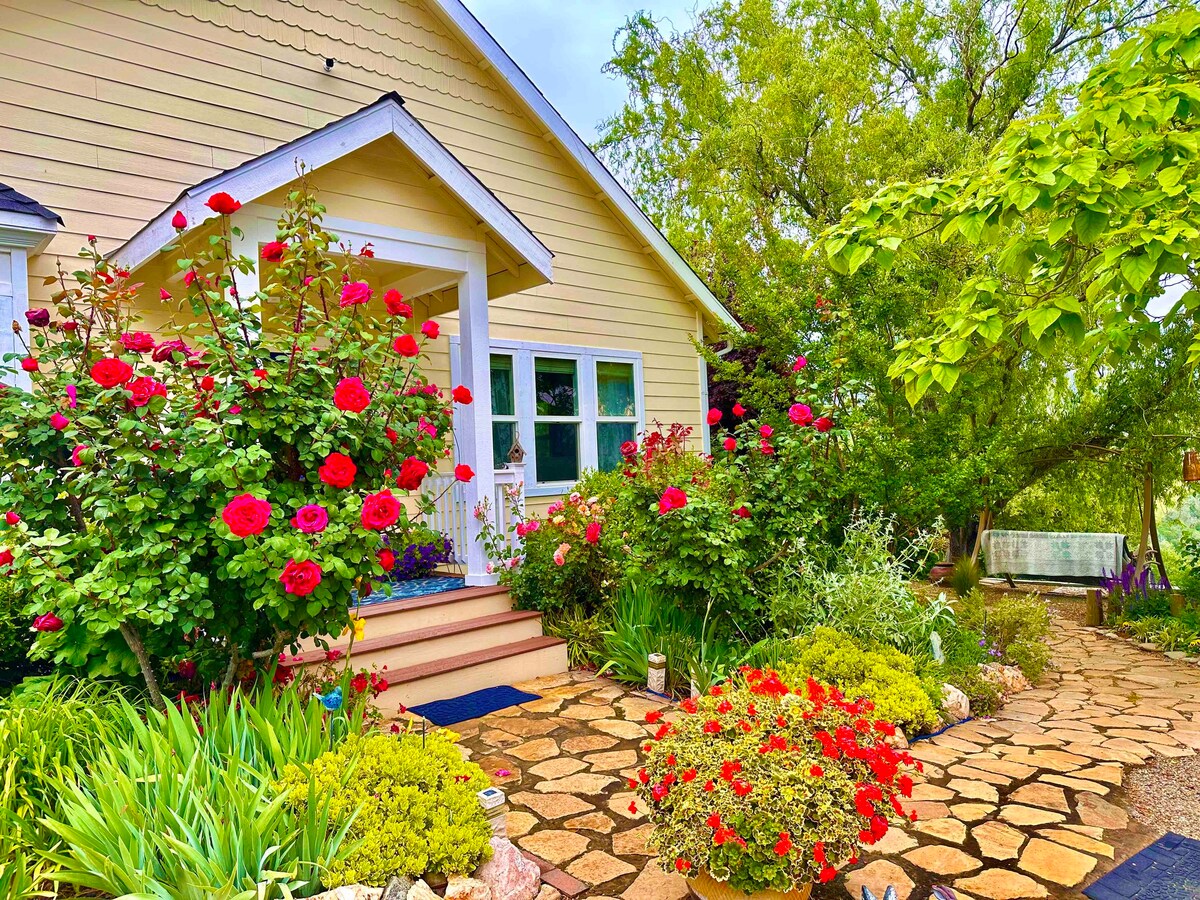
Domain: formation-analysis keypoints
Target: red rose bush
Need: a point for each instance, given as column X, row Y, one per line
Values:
column 218, row 490
column 768, row 786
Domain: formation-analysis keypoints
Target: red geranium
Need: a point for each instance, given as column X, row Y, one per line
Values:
column 246, row 515
column 406, row 345
column 379, row 511
column 338, row 471
column 462, row 394
column 300, row 578
column 351, row 395
column 412, row 473
column 110, row 371
column 222, row 204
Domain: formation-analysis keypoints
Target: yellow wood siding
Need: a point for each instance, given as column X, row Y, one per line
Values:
column 110, row 108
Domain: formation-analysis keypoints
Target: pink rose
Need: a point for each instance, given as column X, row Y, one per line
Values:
column 58, row 421
column 800, row 414
column 355, row 292
column 799, row 364
column 310, row 519
column 592, row 533
column 766, row 431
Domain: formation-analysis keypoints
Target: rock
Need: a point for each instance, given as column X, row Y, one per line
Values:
column 1000, row 884
column 599, row 867
column 877, row 877
column 955, row 705
column 556, row 847
column 1009, row 679
column 421, row 891
column 548, row 893
column 397, row 888
column 459, row 888
column 508, row 874
column 1092, row 810
column 351, row 892
column 1053, row 862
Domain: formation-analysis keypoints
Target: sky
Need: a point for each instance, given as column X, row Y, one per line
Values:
column 562, row 45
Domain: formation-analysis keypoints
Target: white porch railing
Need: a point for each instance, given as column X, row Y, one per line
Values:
column 453, row 517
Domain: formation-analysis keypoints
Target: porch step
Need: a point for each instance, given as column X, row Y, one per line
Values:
column 416, row 613
column 441, row 679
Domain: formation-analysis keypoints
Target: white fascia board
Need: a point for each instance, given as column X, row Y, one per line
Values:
column 26, row 231
column 473, row 32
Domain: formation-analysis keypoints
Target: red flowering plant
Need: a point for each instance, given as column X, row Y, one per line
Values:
column 768, row 787
column 224, row 490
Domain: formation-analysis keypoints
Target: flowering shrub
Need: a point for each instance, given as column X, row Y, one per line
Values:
column 767, row 787
column 223, row 489
column 411, row 803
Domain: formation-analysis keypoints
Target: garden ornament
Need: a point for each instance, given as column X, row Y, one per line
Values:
column 332, row 701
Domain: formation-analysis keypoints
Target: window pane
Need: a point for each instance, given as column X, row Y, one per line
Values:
column 556, row 451
column 614, row 387
column 502, row 387
column 502, row 441
column 609, row 438
column 555, row 386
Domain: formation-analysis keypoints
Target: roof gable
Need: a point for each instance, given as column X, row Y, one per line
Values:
column 386, row 117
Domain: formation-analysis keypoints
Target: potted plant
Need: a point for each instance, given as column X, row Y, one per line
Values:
column 758, row 789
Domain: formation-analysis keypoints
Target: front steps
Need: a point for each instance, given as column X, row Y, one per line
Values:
column 449, row 644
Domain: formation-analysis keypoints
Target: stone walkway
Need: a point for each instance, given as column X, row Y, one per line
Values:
column 1025, row 805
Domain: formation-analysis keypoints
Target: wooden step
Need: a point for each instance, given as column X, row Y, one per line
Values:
column 457, row 675
column 409, row 648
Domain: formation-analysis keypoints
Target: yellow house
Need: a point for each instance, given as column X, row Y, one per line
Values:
column 558, row 296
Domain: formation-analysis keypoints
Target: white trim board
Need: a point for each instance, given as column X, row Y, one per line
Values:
column 273, row 170
column 523, row 353
column 470, row 30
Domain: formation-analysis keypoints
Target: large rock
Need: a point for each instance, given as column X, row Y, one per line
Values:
column 459, row 888
column 351, row 892
column 955, row 704
column 1009, row 679
column 397, row 888
column 508, row 874
column 421, row 891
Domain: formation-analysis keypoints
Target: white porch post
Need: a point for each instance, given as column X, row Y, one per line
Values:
column 473, row 424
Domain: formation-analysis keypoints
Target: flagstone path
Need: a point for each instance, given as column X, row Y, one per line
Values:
column 1026, row 805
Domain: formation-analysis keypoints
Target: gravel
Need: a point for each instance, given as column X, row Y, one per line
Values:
column 1165, row 795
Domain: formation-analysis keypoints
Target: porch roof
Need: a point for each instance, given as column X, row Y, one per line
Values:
column 386, row 116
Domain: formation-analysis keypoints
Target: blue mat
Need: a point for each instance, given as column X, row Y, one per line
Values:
column 417, row 587
column 1169, row 869
column 472, row 706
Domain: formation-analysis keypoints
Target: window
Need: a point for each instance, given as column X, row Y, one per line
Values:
column 571, row 408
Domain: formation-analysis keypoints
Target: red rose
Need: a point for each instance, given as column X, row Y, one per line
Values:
column 69, row 326
column 47, row 623
column 339, row 470
column 592, row 533
column 274, row 250
column 823, row 424
column 142, row 389
column 300, row 578
column 6, row 557
column 245, row 515
column 29, row 364
column 12, row 518
column 380, row 510
column 406, row 345
column 629, row 449
column 394, row 301
column 729, row 444
column 800, row 414
column 463, row 473
column 179, row 220
column 164, row 294
column 387, row 560
column 431, row 330
column 351, row 395
column 110, row 371
column 739, row 410
column 714, row 416
column 354, row 293
column 392, row 434
column 462, row 394
column 58, row 421
column 38, row 318
column 166, row 351
column 412, row 473
column 672, row 498
column 137, row 341
column 222, row 204
column 742, row 512
column 310, row 519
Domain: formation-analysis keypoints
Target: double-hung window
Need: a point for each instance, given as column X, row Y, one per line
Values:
column 570, row 407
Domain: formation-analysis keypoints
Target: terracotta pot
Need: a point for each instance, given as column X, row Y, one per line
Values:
column 706, row 887
column 940, row 571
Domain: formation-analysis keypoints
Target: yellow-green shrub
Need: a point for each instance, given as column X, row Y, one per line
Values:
column 882, row 674
column 416, row 804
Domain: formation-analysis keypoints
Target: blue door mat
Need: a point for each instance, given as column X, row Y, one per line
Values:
column 418, row 587
column 1169, row 869
column 472, row 706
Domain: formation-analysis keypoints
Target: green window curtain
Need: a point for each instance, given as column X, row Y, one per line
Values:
column 503, row 390
column 502, row 440
column 609, row 438
column 615, row 390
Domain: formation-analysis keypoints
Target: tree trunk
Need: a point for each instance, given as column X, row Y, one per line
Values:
column 134, row 640
column 1158, row 557
column 985, row 522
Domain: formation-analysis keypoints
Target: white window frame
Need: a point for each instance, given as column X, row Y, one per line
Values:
column 523, row 354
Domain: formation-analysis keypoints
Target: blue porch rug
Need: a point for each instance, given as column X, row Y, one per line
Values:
column 472, row 706
column 1169, row 869
column 418, row 587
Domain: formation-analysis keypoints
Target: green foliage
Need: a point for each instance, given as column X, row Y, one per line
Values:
column 409, row 800
column 789, row 803
column 121, row 532
column 862, row 668
column 1014, row 629
column 584, row 634
column 184, row 805
column 1107, row 209
column 863, row 588
column 965, row 576
column 15, row 636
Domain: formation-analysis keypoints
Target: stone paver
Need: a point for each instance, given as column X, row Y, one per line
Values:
column 1022, row 806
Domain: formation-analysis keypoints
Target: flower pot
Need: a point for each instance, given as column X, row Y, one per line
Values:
column 939, row 572
column 706, row 887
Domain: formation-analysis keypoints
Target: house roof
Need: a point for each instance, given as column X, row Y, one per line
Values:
column 386, row 116
column 469, row 29
column 13, row 201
